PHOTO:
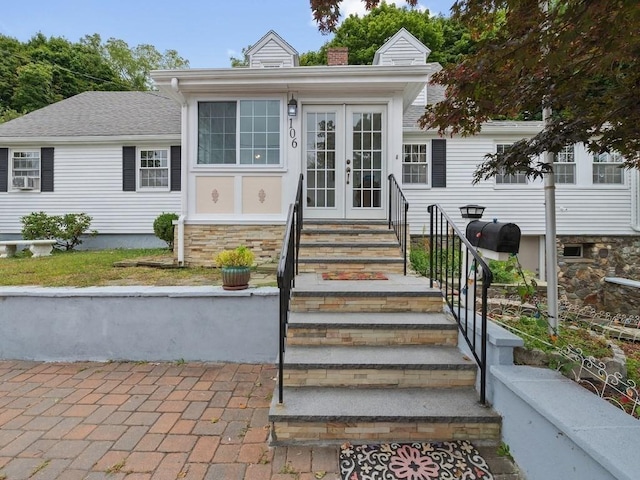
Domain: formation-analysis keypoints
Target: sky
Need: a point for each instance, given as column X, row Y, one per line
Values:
column 205, row 32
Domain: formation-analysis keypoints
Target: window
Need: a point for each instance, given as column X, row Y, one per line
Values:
column 414, row 164
column 572, row 251
column 25, row 170
column 246, row 132
column 154, row 169
column 606, row 169
column 503, row 178
column 564, row 167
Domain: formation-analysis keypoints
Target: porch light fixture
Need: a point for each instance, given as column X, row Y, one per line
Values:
column 292, row 107
column 473, row 212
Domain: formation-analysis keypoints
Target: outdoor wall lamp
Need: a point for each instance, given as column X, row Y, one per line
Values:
column 292, row 107
column 472, row 211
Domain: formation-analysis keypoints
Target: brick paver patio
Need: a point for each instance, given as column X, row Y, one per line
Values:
column 145, row 421
column 152, row 421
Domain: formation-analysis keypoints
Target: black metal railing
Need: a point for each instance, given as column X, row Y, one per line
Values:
column 286, row 274
column 456, row 266
column 398, row 208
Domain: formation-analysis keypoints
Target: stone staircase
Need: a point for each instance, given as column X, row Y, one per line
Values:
column 372, row 360
column 349, row 246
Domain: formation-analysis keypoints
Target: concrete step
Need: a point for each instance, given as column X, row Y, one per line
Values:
column 378, row 367
column 351, row 264
column 346, row 224
column 337, row 415
column 388, row 249
column 397, row 294
column 408, row 328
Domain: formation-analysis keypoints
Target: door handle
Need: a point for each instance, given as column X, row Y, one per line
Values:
column 348, row 174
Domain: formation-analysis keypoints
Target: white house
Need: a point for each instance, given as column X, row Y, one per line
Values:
column 113, row 155
column 243, row 152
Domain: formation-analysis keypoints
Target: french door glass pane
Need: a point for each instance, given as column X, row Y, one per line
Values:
column 321, row 154
column 367, row 163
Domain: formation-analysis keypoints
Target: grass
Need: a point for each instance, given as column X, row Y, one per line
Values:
column 535, row 333
column 95, row 268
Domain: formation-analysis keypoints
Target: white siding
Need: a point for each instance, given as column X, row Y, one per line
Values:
column 402, row 52
column 581, row 209
column 89, row 180
column 271, row 53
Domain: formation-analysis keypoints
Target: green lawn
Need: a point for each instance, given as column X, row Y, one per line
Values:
column 95, row 268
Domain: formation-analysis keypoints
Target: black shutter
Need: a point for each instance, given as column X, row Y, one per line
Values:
column 176, row 168
column 46, row 169
column 129, row 169
column 4, row 169
column 438, row 163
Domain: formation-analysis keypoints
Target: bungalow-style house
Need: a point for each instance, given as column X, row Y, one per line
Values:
column 113, row 155
column 248, row 133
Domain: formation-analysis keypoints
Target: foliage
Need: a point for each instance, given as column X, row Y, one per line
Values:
column 65, row 229
column 420, row 258
column 7, row 114
column 535, row 333
column 243, row 61
column 163, row 227
column 327, row 12
column 42, row 70
column 447, row 40
column 567, row 59
column 504, row 272
column 92, row 268
column 238, row 257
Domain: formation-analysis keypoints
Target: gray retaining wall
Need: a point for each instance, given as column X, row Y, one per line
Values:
column 139, row 323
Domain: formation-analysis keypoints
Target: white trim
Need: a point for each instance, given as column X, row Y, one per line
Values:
column 403, row 33
column 10, row 169
column 118, row 140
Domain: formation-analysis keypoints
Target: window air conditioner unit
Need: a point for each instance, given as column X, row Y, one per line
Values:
column 24, row 183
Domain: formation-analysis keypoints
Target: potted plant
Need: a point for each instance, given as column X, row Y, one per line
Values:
column 235, row 266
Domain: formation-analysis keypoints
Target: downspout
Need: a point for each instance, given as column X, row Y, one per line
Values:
column 175, row 86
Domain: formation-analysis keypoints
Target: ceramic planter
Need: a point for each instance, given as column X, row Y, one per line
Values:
column 235, row 278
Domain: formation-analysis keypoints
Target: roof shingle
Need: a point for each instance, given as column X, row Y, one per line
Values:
column 104, row 114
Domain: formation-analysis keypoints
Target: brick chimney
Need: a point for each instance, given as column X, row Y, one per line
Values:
column 338, row 56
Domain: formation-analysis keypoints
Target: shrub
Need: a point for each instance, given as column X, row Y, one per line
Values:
column 163, row 227
column 65, row 229
column 238, row 257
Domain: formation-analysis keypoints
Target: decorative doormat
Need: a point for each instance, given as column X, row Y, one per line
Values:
column 413, row 461
column 354, row 276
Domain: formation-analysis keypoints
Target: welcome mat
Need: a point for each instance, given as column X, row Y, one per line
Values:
column 354, row 276
column 413, row 461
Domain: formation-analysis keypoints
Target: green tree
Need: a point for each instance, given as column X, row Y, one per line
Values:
column 243, row 61
column 34, row 87
column 133, row 65
column 447, row 40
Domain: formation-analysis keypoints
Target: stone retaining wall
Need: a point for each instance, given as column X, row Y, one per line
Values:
column 582, row 279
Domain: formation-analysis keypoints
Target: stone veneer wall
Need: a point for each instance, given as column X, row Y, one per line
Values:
column 203, row 242
column 582, row 279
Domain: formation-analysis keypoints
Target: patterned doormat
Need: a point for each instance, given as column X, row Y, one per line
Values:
column 413, row 461
column 354, row 276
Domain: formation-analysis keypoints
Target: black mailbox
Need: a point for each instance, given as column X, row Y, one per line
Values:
column 495, row 236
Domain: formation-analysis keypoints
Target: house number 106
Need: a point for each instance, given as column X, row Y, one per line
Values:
column 292, row 134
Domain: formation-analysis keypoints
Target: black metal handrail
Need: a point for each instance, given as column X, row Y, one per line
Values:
column 454, row 265
column 286, row 274
column 398, row 208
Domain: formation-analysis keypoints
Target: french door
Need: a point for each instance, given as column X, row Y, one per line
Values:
column 345, row 161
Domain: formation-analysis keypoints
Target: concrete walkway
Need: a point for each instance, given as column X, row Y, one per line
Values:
column 150, row 421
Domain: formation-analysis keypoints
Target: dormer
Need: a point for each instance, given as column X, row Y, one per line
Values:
column 402, row 49
column 271, row 51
